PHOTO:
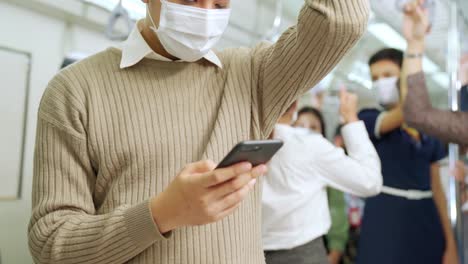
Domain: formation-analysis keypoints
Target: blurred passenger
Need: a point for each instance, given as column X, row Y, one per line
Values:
column 446, row 125
column 408, row 222
column 312, row 119
column 337, row 237
column 295, row 206
column 419, row 113
column 355, row 208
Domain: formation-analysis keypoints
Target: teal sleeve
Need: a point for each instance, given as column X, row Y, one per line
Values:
column 337, row 236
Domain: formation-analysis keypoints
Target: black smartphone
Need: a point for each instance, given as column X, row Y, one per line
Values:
column 256, row 152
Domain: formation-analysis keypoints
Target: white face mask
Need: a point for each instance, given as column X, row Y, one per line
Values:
column 189, row 33
column 387, row 91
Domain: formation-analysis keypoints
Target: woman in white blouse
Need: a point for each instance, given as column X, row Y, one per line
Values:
column 295, row 206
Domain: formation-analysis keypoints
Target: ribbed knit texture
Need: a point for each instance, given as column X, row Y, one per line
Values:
column 109, row 139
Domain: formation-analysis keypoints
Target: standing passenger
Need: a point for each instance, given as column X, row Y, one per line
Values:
column 295, row 207
column 337, row 236
column 408, row 222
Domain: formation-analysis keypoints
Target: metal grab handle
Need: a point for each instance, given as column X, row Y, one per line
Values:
column 118, row 12
column 453, row 60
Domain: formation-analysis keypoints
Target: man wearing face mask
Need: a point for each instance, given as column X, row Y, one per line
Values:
column 407, row 223
column 122, row 136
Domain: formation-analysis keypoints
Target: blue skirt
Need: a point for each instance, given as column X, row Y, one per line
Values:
column 398, row 230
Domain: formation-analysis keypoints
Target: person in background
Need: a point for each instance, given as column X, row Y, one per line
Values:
column 311, row 118
column 337, row 237
column 419, row 113
column 128, row 139
column 408, row 222
column 295, row 207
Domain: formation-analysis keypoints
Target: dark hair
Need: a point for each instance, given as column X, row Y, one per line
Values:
column 393, row 55
column 316, row 113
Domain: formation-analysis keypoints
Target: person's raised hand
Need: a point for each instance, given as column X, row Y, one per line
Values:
column 201, row 194
column 416, row 23
column 348, row 106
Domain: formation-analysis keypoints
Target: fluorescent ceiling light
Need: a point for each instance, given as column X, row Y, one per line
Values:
column 106, row 4
column 392, row 38
column 387, row 35
column 136, row 8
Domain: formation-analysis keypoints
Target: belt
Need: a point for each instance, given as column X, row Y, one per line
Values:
column 408, row 194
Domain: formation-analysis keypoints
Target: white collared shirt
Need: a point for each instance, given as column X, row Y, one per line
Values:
column 135, row 49
column 295, row 206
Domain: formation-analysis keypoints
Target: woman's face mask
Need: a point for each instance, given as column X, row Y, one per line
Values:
column 387, row 91
column 309, row 121
column 187, row 32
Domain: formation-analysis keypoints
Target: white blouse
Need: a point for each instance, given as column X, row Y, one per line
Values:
column 295, row 205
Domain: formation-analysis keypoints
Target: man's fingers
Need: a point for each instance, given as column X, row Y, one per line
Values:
column 231, row 200
column 238, row 182
column 259, row 171
column 203, row 166
column 220, row 176
column 231, row 186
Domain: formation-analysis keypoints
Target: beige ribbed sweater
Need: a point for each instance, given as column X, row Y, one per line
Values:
column 108, row 139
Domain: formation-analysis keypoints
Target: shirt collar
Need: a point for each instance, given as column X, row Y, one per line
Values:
column 135, row 49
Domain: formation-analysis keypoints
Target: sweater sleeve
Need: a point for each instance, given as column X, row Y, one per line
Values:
column 65, row 226
column 305, row 54
column 419, row 113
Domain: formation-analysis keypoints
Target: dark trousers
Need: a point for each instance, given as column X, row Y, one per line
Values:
column 311, row 253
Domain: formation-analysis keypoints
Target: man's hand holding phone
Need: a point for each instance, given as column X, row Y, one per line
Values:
column 202, row 194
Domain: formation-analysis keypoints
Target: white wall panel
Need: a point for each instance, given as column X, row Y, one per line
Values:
column 14, row 67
